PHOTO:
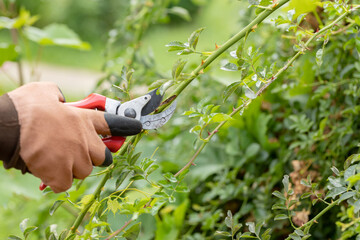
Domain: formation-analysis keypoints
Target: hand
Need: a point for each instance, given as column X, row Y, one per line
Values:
column 59, row 142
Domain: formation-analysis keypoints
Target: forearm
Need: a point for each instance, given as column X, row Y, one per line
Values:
column 9, row 135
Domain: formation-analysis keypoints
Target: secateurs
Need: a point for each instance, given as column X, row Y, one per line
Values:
column 138, row 108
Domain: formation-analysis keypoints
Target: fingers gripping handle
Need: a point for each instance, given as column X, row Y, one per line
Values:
column 96, row 101
column 112, row 143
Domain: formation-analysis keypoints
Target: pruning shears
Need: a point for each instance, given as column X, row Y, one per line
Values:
column 139, row 108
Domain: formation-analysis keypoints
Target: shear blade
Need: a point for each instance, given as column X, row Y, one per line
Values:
column 158, row 120
column 153, row 103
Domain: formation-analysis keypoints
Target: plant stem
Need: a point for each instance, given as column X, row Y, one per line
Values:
column 15, row 39
column 226, row 46
column 119, row 230
column 97, row 191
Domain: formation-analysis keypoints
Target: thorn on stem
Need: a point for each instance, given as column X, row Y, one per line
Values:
column 193, row 164
column 216, row 46
column 202, row 62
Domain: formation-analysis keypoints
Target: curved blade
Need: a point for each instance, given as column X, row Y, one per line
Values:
column 158, row 120
column 153, row 103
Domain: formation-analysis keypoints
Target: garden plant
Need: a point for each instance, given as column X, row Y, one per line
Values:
column 270, row 154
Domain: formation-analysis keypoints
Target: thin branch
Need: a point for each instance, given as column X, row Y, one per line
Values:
column 119, row 230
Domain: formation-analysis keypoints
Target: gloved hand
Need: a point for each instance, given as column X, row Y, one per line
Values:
column 59, row 142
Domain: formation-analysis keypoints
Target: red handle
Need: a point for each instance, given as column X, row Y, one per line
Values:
column 114, row 143
column 93, row 101
column 96, row 101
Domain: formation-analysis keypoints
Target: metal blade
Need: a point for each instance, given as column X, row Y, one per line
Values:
column 153, row 104
column 158, row 120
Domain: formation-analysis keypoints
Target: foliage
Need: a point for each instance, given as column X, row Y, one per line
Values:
column 280, row 164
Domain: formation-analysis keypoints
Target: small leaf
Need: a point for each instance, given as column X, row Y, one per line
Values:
column 133, row 232
column 120, row 179
column 29, row 230
column 23, row 224
column 249, row 93
column 228, row 219
column 230, row 67
column 223, row 233
column 278, row 206
column 55, row 206
column 194, row 38
column 180, row 12
column 335, row 171
column 258, row 228
column 306, row 195
column 230, row 89
column 285, row 182
column 319, row 55
column 279, row 195
column 175, row 46
column 169, row 176
column 220, row 117
column 13, row 237
column 346, row 195
column 251, row 226
column 280, row 217
column 178, row 68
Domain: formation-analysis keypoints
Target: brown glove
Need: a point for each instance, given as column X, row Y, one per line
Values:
column 59, row 142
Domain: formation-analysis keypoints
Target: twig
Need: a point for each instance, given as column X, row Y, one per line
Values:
column 119, row 230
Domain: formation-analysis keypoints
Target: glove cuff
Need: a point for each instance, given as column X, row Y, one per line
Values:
column 10, row 135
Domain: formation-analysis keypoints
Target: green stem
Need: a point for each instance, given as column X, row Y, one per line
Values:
column 225, row 47
column 99, row 188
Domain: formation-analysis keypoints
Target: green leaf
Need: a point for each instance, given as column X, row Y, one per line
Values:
column 258, row 228
column 180, row 12
column 353, row 179
column 280, row 217
column 220, row 117
column 232, row 67
column 55, row 206
column 133, row 232
column 175, row 46
column 319, row 56
column 29, row 230
column 194, row 38
column 13, row 237
column 113, row 205
column 120, row 179
column 195, row 128
column 8, row 52
column 169, row 176
column 63, row 235
column 303, row 6
column 306, row 195
column 335, row 171
column 228, row 219
column 251, row 226
column 249, row 93
column 56, row 34
column 278, row 206
column 346, row 195
column 279, row 195
column 178, row 68
column 223, row 233
column 158, row 204
column 335, row 192
column 285, row 182
column 23, row 224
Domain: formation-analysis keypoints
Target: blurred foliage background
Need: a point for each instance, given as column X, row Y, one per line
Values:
column 306, row 123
